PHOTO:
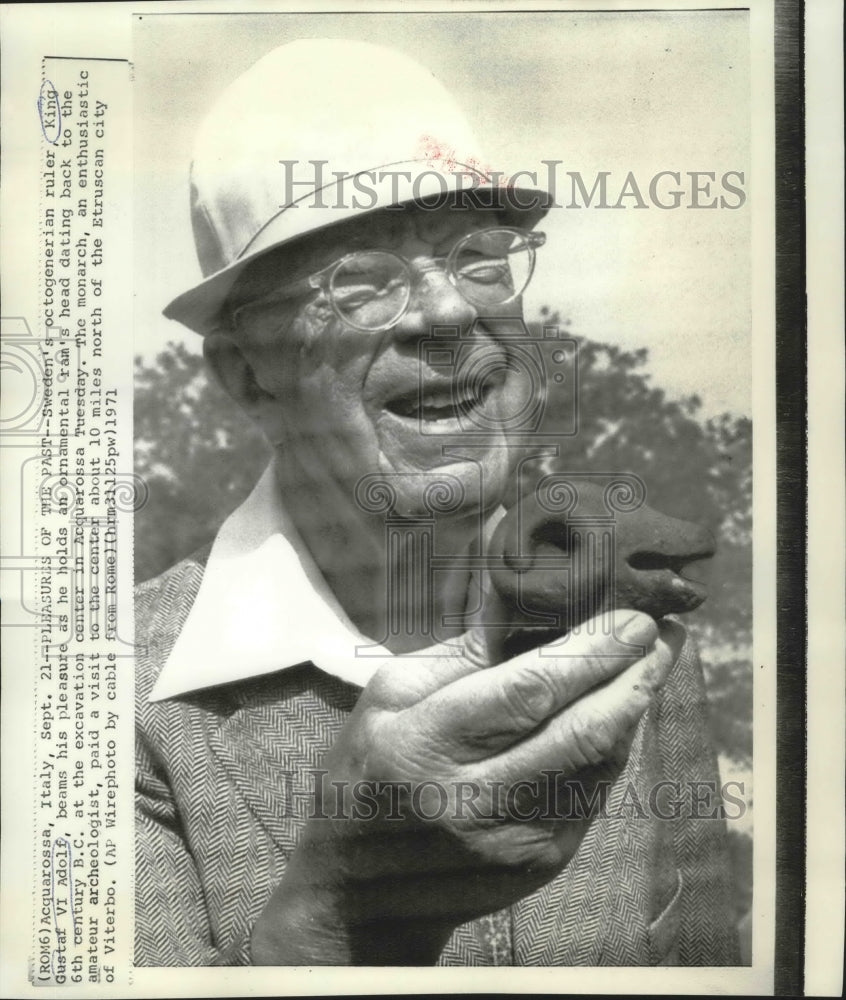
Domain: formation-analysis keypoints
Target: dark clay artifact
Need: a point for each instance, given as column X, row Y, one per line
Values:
column 571, row 548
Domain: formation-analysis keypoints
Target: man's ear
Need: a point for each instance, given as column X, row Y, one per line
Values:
column 234, row 371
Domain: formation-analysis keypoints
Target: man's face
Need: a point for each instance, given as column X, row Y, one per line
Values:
column 342, row 403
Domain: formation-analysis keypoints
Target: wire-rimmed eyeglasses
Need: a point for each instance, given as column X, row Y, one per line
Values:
column 371, row 290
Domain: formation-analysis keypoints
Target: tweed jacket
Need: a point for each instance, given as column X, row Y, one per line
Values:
column 223, row 782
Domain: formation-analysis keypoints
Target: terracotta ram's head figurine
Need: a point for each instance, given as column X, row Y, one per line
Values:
column 574, row 546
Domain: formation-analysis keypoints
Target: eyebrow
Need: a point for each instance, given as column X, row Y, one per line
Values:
column 282, row 293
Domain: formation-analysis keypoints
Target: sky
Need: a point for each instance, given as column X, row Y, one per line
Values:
column 637, row 93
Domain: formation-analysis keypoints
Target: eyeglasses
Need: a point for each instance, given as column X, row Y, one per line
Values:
column 370, row 290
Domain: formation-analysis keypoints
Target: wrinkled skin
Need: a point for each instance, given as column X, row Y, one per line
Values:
column 390, row 891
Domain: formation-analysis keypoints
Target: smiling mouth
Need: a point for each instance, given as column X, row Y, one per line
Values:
column 440, row 403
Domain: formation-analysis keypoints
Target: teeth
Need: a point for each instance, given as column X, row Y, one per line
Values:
column 437, row 404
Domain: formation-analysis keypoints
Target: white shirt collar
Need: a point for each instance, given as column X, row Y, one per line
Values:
column 263, row 605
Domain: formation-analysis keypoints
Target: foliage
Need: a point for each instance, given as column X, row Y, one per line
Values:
column 197, row 452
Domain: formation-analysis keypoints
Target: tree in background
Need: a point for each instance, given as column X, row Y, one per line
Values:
column 198, row 454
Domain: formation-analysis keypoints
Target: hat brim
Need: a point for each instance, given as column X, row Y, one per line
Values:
column 201, row 307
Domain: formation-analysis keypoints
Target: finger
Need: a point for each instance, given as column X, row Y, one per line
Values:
column 486, row 711
column 404, row 680
column 590, row 731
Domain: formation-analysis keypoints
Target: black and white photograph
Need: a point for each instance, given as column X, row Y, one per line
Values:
column 421, row 558
column 445, row 574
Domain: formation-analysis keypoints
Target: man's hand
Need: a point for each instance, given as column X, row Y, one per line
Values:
column 428, row 816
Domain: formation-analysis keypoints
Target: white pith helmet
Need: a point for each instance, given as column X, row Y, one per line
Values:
column 368, row 113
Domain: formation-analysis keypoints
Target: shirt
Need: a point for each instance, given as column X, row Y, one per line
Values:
column 263, row 605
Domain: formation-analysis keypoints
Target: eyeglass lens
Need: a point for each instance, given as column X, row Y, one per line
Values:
column 372, row 289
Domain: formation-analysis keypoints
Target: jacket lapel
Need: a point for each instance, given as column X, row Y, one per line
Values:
column 597, row 910
column 273, row 735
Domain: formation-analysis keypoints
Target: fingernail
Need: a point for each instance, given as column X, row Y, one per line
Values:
column 638, row 628
column 673, row 633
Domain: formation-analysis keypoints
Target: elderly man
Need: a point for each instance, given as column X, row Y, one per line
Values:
column 327, row 772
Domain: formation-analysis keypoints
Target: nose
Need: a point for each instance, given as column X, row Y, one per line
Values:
column 435, row 301
column 646, row 567
column 652, row 540
column 655, row 554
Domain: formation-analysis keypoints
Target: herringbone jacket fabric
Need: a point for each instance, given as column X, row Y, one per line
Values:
column 223, row 784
